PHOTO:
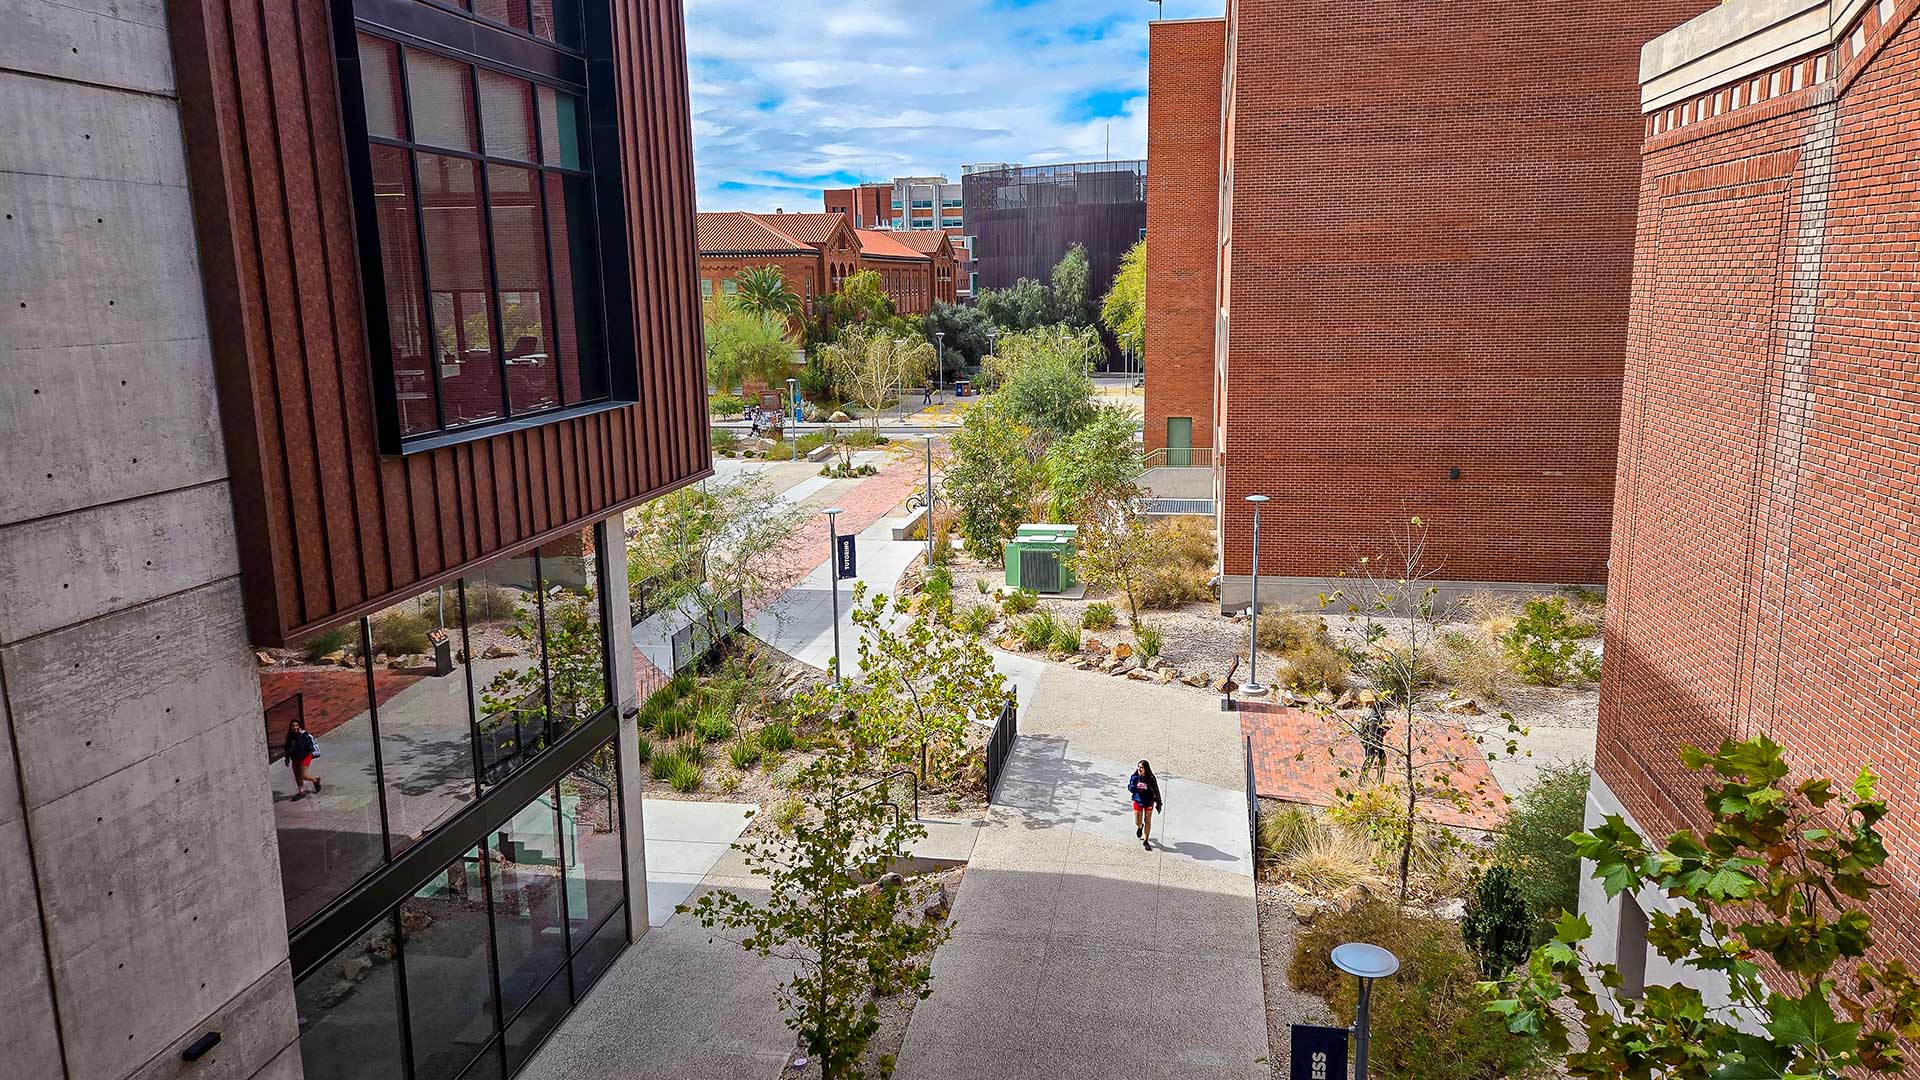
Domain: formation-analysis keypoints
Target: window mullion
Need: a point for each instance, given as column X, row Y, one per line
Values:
column 493, row 271
column 550, row 314
column 473, row 715
column 432, row 341
column 493, row 949
column 373, row 724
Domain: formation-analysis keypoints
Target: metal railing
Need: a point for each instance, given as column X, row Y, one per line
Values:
column 913, row 781
column 1180, row 457
column 1006, row 731
column 1253, row 804
column 655, row 592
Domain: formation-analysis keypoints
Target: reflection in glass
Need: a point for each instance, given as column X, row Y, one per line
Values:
column 576, row 657
column 557, row 21
column 520, row 270
column 576, row 276
column 442, row 94
column 529, row 922
column 562, row 128
column 457, row 266
column 503, row 632
column 511, row 12
column 506, row 115
column 329, row 826
column 542, row 1015
column 449, row 969
column 380, row 83
column 393, row 204
column 349, row 1013
column 598, row 952
column 590, row 825
column 426, row 733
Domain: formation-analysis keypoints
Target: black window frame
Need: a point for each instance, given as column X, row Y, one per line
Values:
column 586, row 72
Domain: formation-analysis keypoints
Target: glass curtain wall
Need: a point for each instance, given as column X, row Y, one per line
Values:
column 469, row 975
column 381, row 729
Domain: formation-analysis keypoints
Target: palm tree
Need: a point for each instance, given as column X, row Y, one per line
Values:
column 763, row 290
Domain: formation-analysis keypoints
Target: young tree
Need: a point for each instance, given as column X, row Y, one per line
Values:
column 763, row 290
column 1073, row 287
column 966, row 329
column 920, row 686
column 1116, row 546
column 1024, row 305
column 1044, row 379
column 874, row 366
column 993, row 479
column 1783, row 876
column 1124, row 309
column 743, row 344
column 1397, row 606
column 700, row 545
column 1100, row 461
column 853, row 929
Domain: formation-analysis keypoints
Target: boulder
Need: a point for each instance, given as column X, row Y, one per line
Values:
column 344, row 659
column 1199, row 679
column 1091, row 643
column 263, row 657
column 1117, row 667
column 1120, row 650
column 1346, row 701
column 356, row 967
column 498, row 652
column 1460, row 707
column 1163, row 676
column 1305, row 911
column 1139, row 674
column 839, row 417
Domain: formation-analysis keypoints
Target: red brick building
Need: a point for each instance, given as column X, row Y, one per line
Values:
column 1183, row 186
column 943, row 259
column 1765, row 568
column 817, row 252
column 1423, row 259
column 869, row 206
column 911, row 204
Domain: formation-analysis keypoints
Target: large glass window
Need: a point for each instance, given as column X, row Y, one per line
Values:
column 514, row 932
column 318, row 698
column 381, row 730
column 488, row 241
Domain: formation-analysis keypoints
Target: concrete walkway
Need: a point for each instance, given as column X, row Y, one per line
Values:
column 1075, row 952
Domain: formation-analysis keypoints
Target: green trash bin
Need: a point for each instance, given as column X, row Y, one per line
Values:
column 1039, row 558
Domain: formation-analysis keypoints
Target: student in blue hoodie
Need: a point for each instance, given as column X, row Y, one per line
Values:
column 1145, row 791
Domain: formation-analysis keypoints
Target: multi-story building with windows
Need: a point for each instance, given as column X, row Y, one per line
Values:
column 816, row 252
column 1417, row 303
column 923, row 204
column 1021, row 219
column 338, row 335
column 869, row 206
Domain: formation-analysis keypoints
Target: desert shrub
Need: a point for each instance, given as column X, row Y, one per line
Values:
column 1430, row 1021
column 1037, row 630
column 665, row 761
column 1171, row 585
column 786, row 812
column 980, row 586
column 1498, row 926
column 1066, row 639
column 1378, row 812
column 724, row 440
column 1400, row 671
column 779, row 451
column 1098, row 616
column 727, row 405
column 490, row 602
column 694, row 750
column 401, row 633
column 812, row 440
column 1333, row 862
column 684, row 775
column 680, row 686
column 939, row 582
column 1315, row 666
column 673, row 722
column 1469, row 661
column 1019, row 601
column 943, row 551
column 744, row 754
column 1283, row 831
column 777, row 737
column 1146, row 641
column 326, row 643
column 976, row 619
column 1546, row 648
column 714, row 724
column 1285, row 630
column 644, row 747
column 1534, row 842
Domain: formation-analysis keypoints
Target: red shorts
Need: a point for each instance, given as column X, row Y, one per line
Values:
column 1137, row 808
column 303, row 763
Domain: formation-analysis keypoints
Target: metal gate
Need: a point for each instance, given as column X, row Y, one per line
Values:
column 1039, row 571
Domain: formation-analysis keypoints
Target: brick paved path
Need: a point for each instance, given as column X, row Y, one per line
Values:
column 1291, row 761
column 865, row 503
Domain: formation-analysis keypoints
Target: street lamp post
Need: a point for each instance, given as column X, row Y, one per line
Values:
column 929, row 438
column 1252, row 685
column 833, row 581
column 940, row 366
column 793, row 404
column 1366, row 963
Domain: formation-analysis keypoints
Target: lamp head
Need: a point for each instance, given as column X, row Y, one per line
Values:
column 1364, row 961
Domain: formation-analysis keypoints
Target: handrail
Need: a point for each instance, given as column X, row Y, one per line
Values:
column 1179, row 457
column 908, row 773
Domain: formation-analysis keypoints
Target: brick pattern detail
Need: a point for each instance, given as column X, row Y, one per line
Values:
column 1766, row 568
column 1427, row 268
column 1183, row 220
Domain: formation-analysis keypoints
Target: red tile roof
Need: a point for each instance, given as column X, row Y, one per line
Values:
column 804, row 228
column 885, row 245
column 739, row 233
column 924, row 241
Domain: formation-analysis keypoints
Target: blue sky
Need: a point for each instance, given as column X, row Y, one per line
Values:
column 797, row 95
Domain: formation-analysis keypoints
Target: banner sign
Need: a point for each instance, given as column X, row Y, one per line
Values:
column 843, row 567
column 1319, row 1053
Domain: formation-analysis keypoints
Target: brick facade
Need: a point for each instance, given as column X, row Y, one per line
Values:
column 1183, row 222
column 1766, row 575
column 1425, row 255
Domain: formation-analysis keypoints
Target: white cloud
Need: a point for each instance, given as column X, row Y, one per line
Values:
column 798, row 95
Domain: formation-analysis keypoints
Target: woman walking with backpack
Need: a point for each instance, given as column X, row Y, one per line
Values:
column 299, row 750
column 1145, row 791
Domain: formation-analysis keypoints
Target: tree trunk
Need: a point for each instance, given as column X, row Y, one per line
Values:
column 1406, row 841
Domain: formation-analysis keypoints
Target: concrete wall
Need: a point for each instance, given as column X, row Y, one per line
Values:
column 139, row 893
column 628, row 693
